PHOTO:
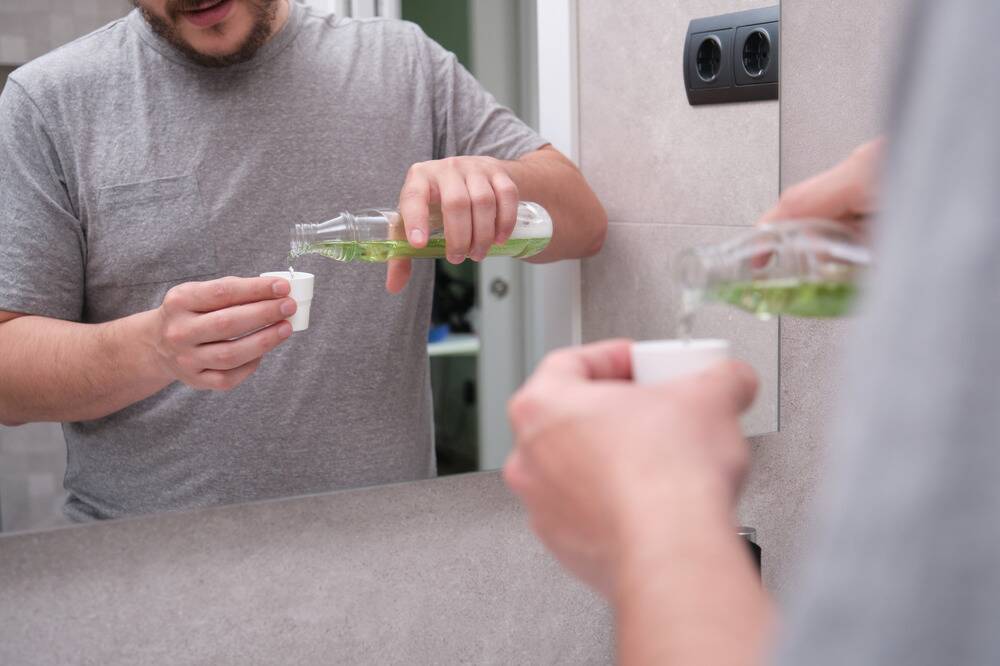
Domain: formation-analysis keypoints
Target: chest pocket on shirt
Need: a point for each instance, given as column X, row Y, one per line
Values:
column 148, row 232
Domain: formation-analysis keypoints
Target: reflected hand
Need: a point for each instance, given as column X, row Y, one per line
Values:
column 604, row 465
column 478, row 200
column 846, row 193
column 212, row 335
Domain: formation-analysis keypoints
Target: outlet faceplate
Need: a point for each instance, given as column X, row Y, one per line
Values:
column 733, row 57
column 710, row 59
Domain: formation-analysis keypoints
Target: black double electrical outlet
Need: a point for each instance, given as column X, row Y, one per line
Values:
column 733, row 57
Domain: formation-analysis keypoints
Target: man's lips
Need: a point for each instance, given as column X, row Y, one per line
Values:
column 209, row 14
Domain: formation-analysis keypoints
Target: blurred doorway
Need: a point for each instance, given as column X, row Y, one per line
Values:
column 477, row 365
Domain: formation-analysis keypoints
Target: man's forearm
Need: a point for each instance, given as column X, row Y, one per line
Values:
column 692, row 596
column 580, row 223
column 53, row 370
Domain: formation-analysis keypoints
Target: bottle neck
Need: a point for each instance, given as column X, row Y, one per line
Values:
column 329, row 237
column 697, row 273
column 302, row 237
column 699, row 269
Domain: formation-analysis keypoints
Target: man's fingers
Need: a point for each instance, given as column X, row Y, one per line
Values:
column 456, row 209
column 830, row 195
column 238, row 320
column 515, row 472
column 237, row 353
column 844, row 191
column 414, row 206
column 225, row 380
column 484, row 214
column 607, row 360
column 224, row 292
column 507, row 198
column 397, row 275
column 822, row 196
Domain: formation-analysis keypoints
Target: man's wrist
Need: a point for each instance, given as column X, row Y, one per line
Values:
column 692, row 595
column 132, row 340
column 680, row 519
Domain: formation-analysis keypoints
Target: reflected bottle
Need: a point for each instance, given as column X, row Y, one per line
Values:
column 804, row 268
column 379, row 235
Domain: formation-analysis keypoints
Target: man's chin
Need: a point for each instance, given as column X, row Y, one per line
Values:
column 214, row 51
column 217, row 46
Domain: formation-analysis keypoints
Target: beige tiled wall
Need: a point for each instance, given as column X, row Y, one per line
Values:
column 29, row 28
column 836, row 70
column 671, row 175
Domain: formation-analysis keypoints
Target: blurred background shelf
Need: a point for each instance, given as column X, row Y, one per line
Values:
column 457, row 344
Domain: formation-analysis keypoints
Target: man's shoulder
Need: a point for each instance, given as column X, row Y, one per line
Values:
column 81, row 63
column 402, row 34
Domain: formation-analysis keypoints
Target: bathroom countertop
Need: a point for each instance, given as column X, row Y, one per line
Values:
column 441, row 571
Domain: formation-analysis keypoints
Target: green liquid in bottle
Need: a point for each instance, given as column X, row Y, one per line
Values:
column 788, row 297
column 384, row 250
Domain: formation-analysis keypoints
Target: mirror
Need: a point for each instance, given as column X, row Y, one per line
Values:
column 495, row 42
column 485, row 330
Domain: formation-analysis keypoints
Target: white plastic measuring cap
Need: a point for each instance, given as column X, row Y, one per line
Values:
column 658, row 361
column 302, row 293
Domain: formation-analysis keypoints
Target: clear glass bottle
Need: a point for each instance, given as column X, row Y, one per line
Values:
column 379, row 235
column 805, row 268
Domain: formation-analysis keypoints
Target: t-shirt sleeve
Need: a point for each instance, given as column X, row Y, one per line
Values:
column 904, row 564
column 41, row 240
column 467, row 119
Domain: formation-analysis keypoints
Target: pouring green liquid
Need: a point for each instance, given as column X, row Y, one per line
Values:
column 384, row 250
column 788, row 297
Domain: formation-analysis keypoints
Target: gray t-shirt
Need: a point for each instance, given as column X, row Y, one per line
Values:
column 126, row 169
column 906, row 568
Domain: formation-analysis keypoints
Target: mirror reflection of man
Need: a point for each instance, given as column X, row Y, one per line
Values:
column 144, row 162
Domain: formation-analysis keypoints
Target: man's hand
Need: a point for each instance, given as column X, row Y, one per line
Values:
column 604, row 465
column 212, row 335
column 847, row 193
column 478, row 200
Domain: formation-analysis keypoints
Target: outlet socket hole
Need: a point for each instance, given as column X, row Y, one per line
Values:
column 708, row 59
column 757, row 53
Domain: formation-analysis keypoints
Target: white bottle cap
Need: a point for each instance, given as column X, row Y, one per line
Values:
column 302, row 293
column 658, row 361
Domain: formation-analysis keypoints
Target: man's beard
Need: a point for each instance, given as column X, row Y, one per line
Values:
column 264, row 12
